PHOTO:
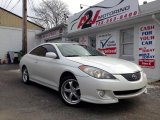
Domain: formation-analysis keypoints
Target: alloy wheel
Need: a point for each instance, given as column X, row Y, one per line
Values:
column 70, row 91
column 25, row 75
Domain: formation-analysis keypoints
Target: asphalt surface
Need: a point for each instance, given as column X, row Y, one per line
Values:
column 35, row 102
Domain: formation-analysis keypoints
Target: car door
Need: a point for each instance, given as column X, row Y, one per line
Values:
column 48, row 68
column 33, row 57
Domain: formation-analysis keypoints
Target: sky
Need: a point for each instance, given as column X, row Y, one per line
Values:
column 73, row 5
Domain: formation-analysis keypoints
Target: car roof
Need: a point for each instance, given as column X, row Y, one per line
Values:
column 56, row 43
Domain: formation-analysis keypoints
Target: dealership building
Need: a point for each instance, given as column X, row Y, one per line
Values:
column 121, row 29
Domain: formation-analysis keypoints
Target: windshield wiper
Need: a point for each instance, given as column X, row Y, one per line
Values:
column 96, row 55
column 72, row 56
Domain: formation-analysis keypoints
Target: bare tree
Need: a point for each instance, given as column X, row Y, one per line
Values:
column 51, row 13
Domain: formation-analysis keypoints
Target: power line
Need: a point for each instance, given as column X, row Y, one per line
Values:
column 32, row 3
column 29, row 4
column 5, row 4
column 6, row 13
column 9, row 3
column 35, row 18
column 37, row 3
column 15, row 5
column 2, row 12
column 1, row 3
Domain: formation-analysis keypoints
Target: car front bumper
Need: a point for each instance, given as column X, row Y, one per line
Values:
column 104, row 91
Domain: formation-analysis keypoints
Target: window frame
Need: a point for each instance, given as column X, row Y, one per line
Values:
column 123, row 43
column 34, row 50
column 55, row 51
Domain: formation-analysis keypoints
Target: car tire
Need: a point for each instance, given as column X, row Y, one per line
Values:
column 69, row 91
column 25, row 76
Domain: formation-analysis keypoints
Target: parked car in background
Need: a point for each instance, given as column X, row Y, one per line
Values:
column 81, row 73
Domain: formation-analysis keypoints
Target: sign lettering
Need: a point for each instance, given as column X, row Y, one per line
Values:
column 103, row 13
column 147, row 46
column 107, row 43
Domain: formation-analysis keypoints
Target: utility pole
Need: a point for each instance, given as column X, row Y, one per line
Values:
column 24, row 31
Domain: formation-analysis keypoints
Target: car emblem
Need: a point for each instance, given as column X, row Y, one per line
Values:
column 134, row 76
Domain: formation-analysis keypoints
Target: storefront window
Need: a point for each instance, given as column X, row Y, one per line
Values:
column 92, row 41
column 53, row 41
column 74, row 39
column 127, row 44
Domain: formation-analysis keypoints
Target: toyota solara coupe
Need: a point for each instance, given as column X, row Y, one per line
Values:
column 81, row 73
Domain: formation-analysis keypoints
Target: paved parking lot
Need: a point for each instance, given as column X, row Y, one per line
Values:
column 35, row 102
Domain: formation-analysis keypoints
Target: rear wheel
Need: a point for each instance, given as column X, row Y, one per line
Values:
column 25, row 75
column 70, row 91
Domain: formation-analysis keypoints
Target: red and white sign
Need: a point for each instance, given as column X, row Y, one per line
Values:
column 50, row 35
column 107, row 43
column 147, row 63
column 147, row 39
column 108, row 50
column 103, row 13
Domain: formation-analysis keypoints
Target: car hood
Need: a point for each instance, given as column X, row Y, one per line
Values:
column 109, row 64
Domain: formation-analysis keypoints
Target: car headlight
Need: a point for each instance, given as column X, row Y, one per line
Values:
column 96, row 72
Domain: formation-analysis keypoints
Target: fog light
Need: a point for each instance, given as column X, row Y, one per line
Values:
column 146, row 91
column 101, row 93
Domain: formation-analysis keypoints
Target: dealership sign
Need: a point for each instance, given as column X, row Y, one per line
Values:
column 105, row 12
column 107, row 43
column 147, row 46
column 51, row 35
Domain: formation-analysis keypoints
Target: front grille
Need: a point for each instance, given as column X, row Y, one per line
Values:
column 132, row 76
column 126, row 92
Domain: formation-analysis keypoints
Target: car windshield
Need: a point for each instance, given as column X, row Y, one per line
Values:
column 76, row 50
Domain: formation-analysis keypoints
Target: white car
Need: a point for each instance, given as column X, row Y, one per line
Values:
column 80, row 73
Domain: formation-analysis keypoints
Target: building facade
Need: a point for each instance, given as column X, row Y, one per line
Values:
column 122, row 29
column 11, row 33
column 55, row 34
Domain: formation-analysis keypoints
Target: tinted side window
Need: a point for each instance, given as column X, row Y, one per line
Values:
column 42, row 50
column 50, row 48
column 39, row 51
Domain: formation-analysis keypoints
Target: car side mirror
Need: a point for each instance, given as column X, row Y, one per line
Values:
column 51, row 55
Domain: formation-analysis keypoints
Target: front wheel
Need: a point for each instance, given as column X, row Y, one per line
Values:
column 25, row 75
column 70, row 91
